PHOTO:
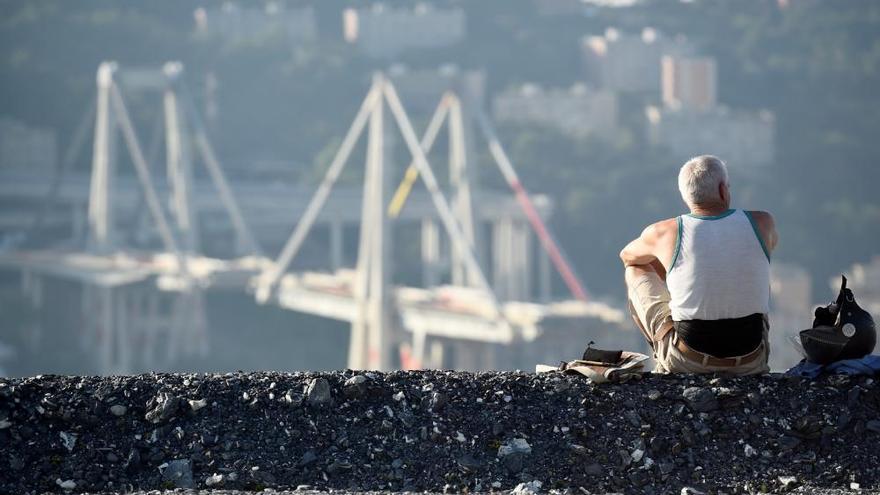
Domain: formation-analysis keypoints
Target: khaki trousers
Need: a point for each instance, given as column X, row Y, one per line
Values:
column 649, row 304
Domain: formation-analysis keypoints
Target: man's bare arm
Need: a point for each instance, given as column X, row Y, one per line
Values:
column 767, row 228
column 653, row 247
column 640, row 251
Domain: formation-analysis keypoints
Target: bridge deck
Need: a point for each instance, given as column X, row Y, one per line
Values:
column 127, row 267
column 446, row 311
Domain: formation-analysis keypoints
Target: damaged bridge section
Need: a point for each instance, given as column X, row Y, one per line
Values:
column 438, row 431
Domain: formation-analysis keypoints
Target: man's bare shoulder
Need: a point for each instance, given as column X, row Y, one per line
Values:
column 662, row 228
column 764, row 219
column 767, row 226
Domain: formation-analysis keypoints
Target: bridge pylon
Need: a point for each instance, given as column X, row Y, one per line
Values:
column 127, row 322
column 376, row 334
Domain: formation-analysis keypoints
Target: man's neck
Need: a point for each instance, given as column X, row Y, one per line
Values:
column 709, row 210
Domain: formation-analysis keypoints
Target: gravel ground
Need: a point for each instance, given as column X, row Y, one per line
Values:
column 796, row 491
column 438, row 431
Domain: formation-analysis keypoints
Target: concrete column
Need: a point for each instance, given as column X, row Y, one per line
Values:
column 435, row 354
column 101, row 235
column 78, row 223
column 151, row 329
column 32, row 289
column 502, row 258
column 374, row 325
column 137, row 320
column 522, row 254
column 336, row 244
column 544, row 277
column 463, row 182
column 179, row 162
column 358, row 341
column 196, row 328
column 122, row 331
column 104, row 329
column 430, row 253
column 384, row 337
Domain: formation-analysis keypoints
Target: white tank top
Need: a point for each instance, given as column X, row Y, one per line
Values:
column 720, row 268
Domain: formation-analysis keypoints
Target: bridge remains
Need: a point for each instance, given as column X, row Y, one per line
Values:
column 145, row 303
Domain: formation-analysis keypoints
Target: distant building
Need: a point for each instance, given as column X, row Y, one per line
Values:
column 422, row 89
column 797, row 4
column 791, row 310
column 384, row 31
column 743, row 139
column 558, row 7
column 26, row 148
column 688, row 83
column 626, row 62
column 235, row 22
column 577, row 112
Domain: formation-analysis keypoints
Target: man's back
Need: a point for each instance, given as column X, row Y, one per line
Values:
column 720, row 268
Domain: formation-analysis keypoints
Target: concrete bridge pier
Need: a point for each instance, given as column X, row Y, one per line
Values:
column 511, row 260
column 375, row 324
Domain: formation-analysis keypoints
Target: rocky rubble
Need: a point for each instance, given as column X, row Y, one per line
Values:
column 438, row 431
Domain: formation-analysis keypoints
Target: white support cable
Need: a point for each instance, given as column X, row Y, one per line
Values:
column 439, row 199
column 179, row 171
column 434, row 126
column 460, row 181
column 411, row 175
column 146, row 180
column 135, row 219
column 215, row 170
column 226, row 195
column 269, row 278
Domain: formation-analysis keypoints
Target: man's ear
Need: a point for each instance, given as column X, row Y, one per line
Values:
column 724, row 192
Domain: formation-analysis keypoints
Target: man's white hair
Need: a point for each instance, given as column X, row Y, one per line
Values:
column 699, row 179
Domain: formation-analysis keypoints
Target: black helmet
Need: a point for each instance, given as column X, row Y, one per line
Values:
column 841, row 330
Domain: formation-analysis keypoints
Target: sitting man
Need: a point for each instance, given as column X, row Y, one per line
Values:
column 699, row 284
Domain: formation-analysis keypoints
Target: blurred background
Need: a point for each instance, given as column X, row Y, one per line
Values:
column 165, row 202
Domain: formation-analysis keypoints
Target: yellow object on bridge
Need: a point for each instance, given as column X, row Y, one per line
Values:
column 403, row 190
column 412, row 172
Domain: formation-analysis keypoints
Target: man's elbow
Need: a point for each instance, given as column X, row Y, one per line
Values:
column 628, row 259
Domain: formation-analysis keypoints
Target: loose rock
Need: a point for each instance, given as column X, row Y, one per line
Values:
column 214, row 480
column 66, row 485
column 318, row 393
column 355, row 387
column 700, row 399
column 178, row 472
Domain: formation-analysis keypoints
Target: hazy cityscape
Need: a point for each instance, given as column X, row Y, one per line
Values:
column 289, row 185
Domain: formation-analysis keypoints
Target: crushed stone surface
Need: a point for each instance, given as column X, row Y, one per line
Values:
column 438, row 431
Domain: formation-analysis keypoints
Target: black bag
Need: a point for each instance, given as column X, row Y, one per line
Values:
column 841, row 330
